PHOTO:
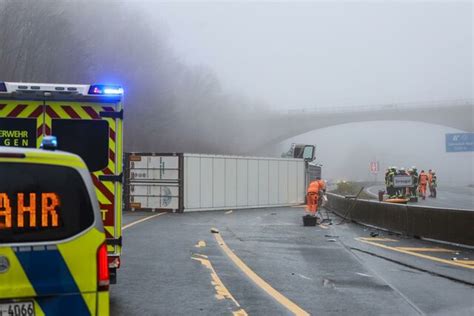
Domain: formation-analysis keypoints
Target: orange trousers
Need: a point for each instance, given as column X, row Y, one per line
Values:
column 312, row 202
column 422, row 189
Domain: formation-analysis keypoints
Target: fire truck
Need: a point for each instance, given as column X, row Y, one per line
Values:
column 86, row 120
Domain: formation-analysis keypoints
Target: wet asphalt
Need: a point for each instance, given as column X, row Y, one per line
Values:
column 325, row 270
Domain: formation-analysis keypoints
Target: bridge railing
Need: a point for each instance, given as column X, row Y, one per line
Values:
column 380, row 107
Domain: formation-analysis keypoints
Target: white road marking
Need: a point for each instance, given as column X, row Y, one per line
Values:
column 304, row 277
column 141, row 220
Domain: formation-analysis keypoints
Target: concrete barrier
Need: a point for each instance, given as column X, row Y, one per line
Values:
column 451, row 225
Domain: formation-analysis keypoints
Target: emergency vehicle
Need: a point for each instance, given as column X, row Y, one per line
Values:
column 87, row 121
column 53, row 255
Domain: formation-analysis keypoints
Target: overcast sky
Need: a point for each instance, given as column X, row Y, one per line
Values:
column 303, row 54
column 316, row 54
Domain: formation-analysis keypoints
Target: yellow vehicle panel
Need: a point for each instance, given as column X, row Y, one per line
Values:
column 109, row 193
column 58, row 276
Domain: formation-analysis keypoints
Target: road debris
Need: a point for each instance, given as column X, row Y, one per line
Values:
column 200, row 244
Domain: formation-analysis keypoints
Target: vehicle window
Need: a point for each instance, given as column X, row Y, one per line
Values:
column 86, row 138
column 42, row 203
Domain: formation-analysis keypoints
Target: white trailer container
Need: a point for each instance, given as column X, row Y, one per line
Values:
column 197, row 182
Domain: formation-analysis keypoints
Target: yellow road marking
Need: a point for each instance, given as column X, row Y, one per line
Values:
column 470, row 262
column 240, row 312
column 417, row 249
column 200, row 255
column 376, row 239
column 221, row 291
column 141, row 220
column 200, row 244
column 288, row 304
column 451, row 262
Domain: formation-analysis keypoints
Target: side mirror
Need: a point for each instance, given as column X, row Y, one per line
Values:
column 308, row 153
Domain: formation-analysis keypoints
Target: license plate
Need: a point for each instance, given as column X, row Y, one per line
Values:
column 17, row 309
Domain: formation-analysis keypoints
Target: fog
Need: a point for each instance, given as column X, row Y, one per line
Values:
column 345, row 151
column 329, row 53
column 210, row 77
column 170, row 106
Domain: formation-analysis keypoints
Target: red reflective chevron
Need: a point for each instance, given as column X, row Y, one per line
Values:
column 91, row 112
column 17, row 110
column 70, row 111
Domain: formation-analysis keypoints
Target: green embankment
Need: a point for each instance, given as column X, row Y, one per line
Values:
column 353, row 188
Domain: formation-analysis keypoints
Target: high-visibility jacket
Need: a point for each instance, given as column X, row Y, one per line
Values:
column 390, row 178
column 434, row 181
column 313, row 187
column 423, row 178
column 414, row 176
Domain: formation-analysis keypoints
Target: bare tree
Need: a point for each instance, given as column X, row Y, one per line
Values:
column 170, row 106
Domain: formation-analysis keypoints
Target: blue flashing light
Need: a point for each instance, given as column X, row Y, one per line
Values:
column 49, row 143
column 100, row 89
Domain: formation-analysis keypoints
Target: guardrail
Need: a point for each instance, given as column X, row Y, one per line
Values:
column 450, row 225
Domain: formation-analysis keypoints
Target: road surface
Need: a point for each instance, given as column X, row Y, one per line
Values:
column 447, row 197
column 264, row 262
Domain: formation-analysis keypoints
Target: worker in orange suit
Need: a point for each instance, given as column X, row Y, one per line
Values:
column 322, row 190
column 312, row 197
column 423, row 182
column 430, row 176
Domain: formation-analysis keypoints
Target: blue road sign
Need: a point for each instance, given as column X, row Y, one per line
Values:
column 459, row 142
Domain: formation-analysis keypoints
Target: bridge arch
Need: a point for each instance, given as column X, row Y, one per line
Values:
column 458, row 114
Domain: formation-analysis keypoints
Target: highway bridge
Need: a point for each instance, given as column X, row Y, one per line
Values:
column 282, row 125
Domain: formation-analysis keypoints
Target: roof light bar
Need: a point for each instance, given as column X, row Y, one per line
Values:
column 99, row 89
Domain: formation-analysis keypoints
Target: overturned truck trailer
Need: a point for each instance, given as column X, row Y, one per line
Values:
column 198, row 182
